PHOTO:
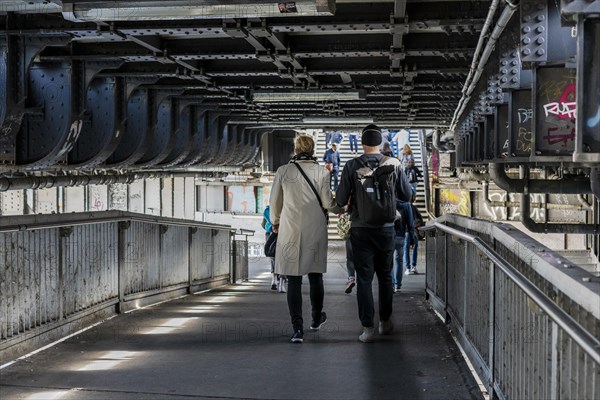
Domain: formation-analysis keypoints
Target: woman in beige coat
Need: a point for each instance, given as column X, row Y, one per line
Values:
column 302, row 230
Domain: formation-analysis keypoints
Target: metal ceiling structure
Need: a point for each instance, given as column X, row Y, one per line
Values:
column 167, row 85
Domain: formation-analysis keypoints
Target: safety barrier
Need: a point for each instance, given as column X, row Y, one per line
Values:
column 60, row 273
column 528, row 320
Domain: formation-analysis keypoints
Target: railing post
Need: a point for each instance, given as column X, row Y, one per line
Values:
column 191, row 232
column 122, row 258
column 465, row 278
column 554, row 384
column 63, row 233
column 491, row 327
column 446, row 315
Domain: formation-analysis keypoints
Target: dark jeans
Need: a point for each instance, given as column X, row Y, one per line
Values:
column 334, row 179
column 350, row 259
column 373, row 250
column 353, row 143
column 399, row 268
column 294, row 298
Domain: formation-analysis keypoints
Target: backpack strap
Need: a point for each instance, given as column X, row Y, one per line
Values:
column 312, row 187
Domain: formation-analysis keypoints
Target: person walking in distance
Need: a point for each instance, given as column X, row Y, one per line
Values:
column 331, row 158
column 300, row 198
column 374, row 182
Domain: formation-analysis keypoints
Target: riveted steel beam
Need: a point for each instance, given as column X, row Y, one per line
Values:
column 141, row 123
column 16, row 56
column 162, row 138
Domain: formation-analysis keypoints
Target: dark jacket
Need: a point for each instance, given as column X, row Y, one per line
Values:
column 347, row 186
column 406, row 221
column 332, row 157
column 413, row 173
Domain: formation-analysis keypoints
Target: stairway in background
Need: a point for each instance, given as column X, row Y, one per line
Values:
column 345, row 155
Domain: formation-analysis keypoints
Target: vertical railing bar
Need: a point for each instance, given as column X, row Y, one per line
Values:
column 465, row 285
column 122, row 249
column 554, row 365
column 61, row 261
column 446, row 316
column 491, row 324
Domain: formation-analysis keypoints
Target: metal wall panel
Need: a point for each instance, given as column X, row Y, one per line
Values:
column 142, row 260
column 12, row 202
column 179, row 198
column 136, row 197
column 52, row 276
column 45, row 201
column 152, row 197
column 74, row 199
column 166, row 193
column 29, row 280
column 97, row 197
column 190, row 198
column 202, row 255
column 222, row 242
column 117, row 196
column 174, row 255
column 89, row 266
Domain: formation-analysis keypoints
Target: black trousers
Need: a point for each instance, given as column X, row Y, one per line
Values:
column 294, row 298
column 373, row 250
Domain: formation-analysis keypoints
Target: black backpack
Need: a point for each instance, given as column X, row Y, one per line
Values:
column 375, row 197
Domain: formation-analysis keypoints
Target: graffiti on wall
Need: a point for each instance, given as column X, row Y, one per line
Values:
column 455, row 201
column 241, row 199
column 557, row 109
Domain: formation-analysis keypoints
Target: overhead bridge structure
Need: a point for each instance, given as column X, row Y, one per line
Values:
column 138, row 144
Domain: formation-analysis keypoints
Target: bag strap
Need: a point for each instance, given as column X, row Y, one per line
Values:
column 311, row 186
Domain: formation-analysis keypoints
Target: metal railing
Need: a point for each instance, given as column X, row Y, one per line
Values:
column 59, row 272
column 527, row 319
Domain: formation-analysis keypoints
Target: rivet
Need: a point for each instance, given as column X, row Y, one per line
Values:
column 540, row 18
column 526, row 40
column 541, row 52
column 540, row 29
column 540, row 40
column 526, row 51
column 526, row 29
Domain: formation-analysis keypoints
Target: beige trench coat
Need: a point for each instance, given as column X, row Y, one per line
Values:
column 302, row 240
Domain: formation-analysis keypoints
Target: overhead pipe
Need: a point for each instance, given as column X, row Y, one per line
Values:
column 564, row 186
column 473, row 77
column 45, row 182
column 546, row 227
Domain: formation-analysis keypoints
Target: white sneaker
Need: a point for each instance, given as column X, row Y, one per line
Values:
column 414, row 271
column 368, row 335
column 407, row 272
column 386, row 327
column 282, row 285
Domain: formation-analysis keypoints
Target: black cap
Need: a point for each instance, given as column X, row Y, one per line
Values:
column 371, row 135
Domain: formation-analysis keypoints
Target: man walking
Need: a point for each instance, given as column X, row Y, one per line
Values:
column 331, row 158
column 374, row 182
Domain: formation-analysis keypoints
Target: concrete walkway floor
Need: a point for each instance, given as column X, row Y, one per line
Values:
column 233, row 343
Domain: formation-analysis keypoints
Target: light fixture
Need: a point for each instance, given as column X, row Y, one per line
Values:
column 304, row 95
column 337, row 120
column 183, row 9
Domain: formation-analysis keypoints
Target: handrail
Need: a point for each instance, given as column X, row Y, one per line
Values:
column 589, row 343
column 21, row 223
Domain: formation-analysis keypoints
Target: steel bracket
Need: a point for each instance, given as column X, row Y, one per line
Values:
column 534, row 32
